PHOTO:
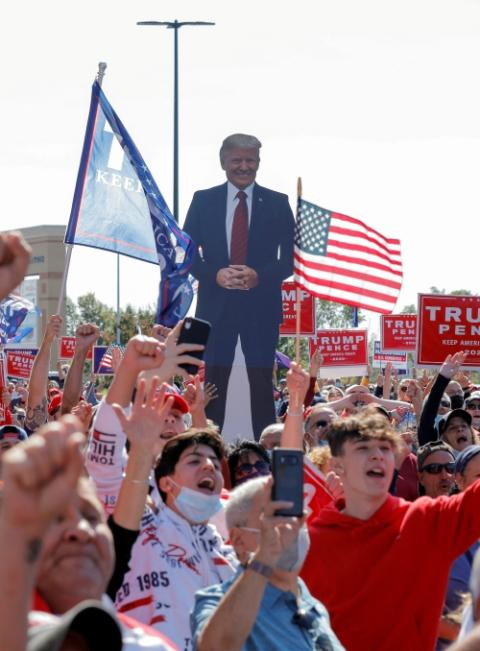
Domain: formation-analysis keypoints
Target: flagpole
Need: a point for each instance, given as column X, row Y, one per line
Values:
column 175, row 25
column 69, row 247
column 297, row 328
column 118, row 301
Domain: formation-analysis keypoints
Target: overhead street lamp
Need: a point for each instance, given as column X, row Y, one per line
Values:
column 175, row 25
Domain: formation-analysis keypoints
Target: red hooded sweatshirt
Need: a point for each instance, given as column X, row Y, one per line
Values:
column 383, row 580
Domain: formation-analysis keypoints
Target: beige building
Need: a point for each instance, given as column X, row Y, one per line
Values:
column 44, row 276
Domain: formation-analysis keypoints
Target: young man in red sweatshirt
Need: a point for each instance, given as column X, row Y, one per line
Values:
column 378, row 563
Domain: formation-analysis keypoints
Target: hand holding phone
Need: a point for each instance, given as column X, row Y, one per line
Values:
column 287, row 470
column 194, row 331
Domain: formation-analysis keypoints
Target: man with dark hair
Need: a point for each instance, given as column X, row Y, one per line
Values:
column 378, row 563
column 174, row 448
column 247, row 460
column 244, row 238
column 177, row 551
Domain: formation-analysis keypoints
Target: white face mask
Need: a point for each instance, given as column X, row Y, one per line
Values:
column 294, row 556
column 195, row 506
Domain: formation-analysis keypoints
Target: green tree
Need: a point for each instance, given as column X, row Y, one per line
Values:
column 91, row 310
column 72, row 318
column 335, row 315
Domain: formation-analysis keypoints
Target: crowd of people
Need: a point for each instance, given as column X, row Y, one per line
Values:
column 126, row 522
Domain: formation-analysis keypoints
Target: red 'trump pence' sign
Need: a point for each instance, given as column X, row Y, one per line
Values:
column 446, row 325
column 307, row 311
column 67, row 348
column 398, row 332
column 341, row 348
column 20, row 362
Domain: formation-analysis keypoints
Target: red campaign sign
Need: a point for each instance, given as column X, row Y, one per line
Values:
column 446, row 325
column 398, row 332
column 289, row 306
column 20, row 362
column 341, row 347
column 67, row 348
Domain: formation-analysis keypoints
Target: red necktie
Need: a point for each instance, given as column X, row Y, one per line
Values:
column 239, row 241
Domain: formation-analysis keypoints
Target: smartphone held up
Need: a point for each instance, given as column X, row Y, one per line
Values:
column 194, row 331
column 287, row 470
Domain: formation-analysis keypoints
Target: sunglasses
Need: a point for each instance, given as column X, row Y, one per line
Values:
column 473, row 405
column 436, row 468
column 403, row 388
column 321, row 423
column 444, row 403
column 259, row 466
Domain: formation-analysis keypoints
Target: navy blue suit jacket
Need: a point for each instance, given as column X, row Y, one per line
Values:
column 270, row 252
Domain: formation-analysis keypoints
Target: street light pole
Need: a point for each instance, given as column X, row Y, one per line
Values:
column 175, row 25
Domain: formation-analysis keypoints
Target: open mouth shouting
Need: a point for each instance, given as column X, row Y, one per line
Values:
column 206, row 485
column 376, row 473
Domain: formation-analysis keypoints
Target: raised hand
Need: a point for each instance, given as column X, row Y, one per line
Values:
column 210, row 392
column 83, row 411
column 160, row 332
column 116, row 358
column 315, row 362
column 40, row 475
column 143, row 353
column 14, row 259
column 176, row 354
column 452, row 364
column 54, row 326
column 298, row 381
column 145, row 423
column 86, row 335
column 194, row 394
column 277, row 533
column 414, row 391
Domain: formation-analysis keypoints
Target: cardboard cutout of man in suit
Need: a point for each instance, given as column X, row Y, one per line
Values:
column 240, row 267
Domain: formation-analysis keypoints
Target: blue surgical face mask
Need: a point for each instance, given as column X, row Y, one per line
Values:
column 195, row 506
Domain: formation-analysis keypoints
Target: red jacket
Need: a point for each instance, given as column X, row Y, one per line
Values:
column 383, row 580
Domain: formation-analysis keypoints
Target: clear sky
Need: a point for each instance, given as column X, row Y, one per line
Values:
column 374, row 103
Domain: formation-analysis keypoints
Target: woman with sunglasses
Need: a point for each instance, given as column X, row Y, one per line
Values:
column 248, row 460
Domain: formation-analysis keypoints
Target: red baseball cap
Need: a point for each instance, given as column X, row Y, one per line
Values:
column 179, row 401
column 55, row 403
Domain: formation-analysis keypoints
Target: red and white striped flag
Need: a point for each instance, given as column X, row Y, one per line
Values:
column 341, row 259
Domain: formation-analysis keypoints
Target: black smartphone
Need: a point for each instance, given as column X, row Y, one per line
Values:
column 287, row 470
column 194, row 331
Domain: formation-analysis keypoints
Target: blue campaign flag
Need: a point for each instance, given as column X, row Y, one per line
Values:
column 13, row 310
column 118, row 207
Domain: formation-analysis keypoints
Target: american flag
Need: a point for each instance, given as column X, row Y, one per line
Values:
column 341, row 259
column 106, row 363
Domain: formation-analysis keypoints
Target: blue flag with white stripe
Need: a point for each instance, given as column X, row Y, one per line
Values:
column 118, row 207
